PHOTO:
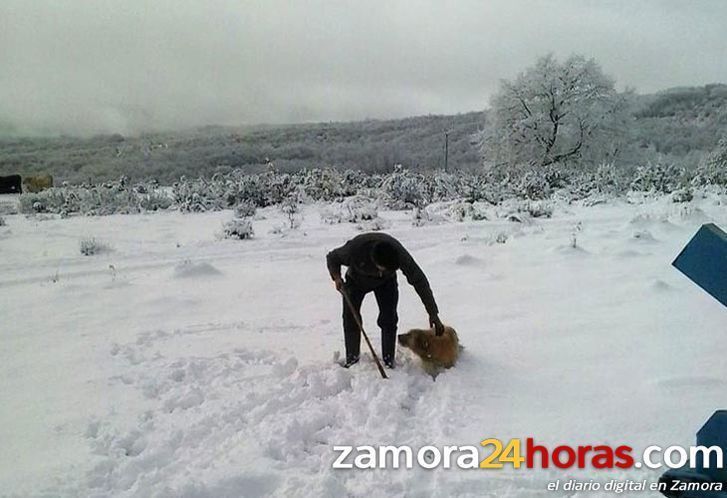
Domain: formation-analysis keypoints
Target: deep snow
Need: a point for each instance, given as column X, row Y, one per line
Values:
column 179, row 364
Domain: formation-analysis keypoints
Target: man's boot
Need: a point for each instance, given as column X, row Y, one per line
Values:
column 350, row 360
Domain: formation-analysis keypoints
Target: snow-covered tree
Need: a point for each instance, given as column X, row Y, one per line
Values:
column 552, row 113
column 713, row 171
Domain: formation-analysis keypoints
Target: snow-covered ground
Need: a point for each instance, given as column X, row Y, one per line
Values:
column 179, row 364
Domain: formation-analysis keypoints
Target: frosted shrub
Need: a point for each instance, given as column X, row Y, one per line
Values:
column 352, row 210
column 682, row 195
column 533, row 185
column 658, row 178
column 479, row 212
column 373, row 225
column 428, row 215
column 539, row 209
column 47, row 201
column 250, row 188
column 154, row 201
column 352, row 181
column 196, row 196
column 608, row 179
column 91, row 246
column 238, row 229
column 404, row 190
column 491, row 188
column 320, row 184
column 442, row 186
column 245, row 209
column 277, row 187
column 519, row 210
column 604, row 180
column 713, row 171
column 107, row 198
column 290, row 206
column 459, row 211
column 463, row 211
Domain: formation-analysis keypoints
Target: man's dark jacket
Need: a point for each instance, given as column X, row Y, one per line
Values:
column 356, row 255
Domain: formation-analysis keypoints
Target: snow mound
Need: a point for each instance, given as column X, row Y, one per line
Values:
column 287, row 368
column 643, row 220
column 188, row 269
column 644, row 236
column 693, row 215
column 468, row 260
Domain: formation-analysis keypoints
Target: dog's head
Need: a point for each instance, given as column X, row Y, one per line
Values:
column 436, row 350
column 419, row 341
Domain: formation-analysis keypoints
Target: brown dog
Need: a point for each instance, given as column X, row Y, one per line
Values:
column 436, row 352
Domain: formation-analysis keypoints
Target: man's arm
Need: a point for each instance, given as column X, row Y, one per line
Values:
column 416, row 278
column 334, row 259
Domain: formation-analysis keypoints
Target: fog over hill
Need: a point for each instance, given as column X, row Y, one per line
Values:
column 678, row 125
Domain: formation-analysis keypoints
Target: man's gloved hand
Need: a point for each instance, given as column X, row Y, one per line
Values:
column 338, row 282
column 435, row 322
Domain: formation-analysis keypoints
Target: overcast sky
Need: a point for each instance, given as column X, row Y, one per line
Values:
column 88, row 66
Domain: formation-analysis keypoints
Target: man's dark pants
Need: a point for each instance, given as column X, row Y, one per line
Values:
column 387, row 297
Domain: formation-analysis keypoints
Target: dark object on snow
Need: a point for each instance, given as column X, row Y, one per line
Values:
column 704, row 261
column 352, row 359
column 11, row 184
column 712, row 433
column 357, row 255
column 373, row 260
column 387, row 297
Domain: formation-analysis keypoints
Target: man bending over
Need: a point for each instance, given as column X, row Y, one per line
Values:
column 372, row 260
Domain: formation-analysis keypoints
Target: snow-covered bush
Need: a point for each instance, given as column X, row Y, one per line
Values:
column 604, row 180
column 533, row 185
column 107, row 198
column 374, row 225
column 320, row 184
column 194, row 196
column 352, row 181
column 91, row 246
column 427, row 215
column 682, row 195
column 8, row 208
column 363, row 194
column 540, row 183
column 2, row 222
column 442, row 186
column 351, row 210
column 403, row 189
column 456, row 211
column 290, row 206
column 238, row 228
column 279, row 187
column 658, row 178
column 713, row 171
column 245, row 209
column 154, row 201
column 520, row 210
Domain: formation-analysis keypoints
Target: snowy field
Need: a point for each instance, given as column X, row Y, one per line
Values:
column 179, row 364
